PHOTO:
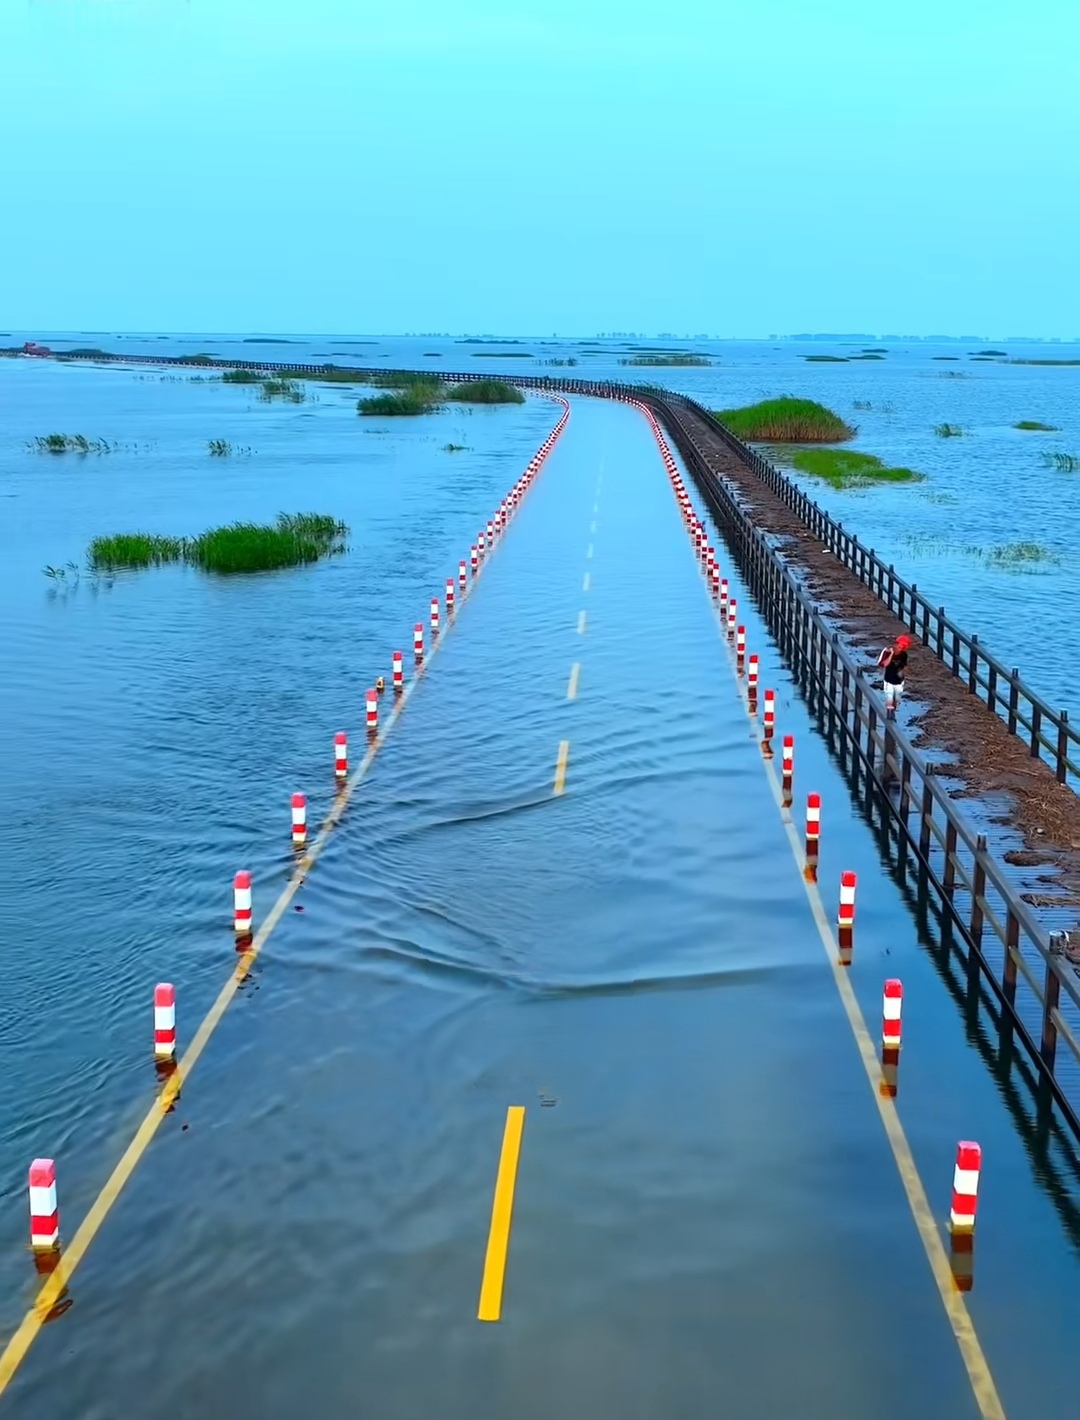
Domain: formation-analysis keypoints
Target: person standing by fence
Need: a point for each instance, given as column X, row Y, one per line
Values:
column 893, row 663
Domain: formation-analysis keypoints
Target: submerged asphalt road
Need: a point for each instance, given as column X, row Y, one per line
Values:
column 707, row 1214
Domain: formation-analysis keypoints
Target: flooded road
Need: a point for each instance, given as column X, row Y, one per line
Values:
column 708, row 1215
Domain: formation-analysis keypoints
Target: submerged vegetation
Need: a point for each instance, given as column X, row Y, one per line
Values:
column 219, row 448
column 282, row 388
column 417, row 399
column 1035, row 424
column 674, row 359
column 828, row 359
column 1020, row 556
column 69, row 444
column 241, row 377
column 485, row 392
column 1064, row 463
column 293, row 539
column 787, row 421
column 948, row 431
column 846, row 468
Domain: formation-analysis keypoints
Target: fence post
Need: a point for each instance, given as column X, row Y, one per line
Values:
column 1014, row 699
column 991, row 687
column 1012, row 946
column 1036, row 728
column 948, row 881
column 973, row 666
column 1062, row 746
column 1051, row 995
column 978, row 891
column 927, row 815
column 941, row 632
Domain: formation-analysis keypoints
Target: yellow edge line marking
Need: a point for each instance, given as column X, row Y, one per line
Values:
column 502, row 1208
column 560, row 766
column 967, row 1340
column 55, row 1285
column 581, row 623
column 571, row 689
column 585, row 583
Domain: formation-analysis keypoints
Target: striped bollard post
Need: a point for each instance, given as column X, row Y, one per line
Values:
column 371, row 712
column 965, row 1196
column 341, row 755
column 298, row 810
column 463, row 576
column 723, row 593
column 845, row 919
column 398, row 674
column 490, row 532
column 787, row 768
column 450, row 595
column 474, row 559
column 434, row 619
column 418, row 640
column 716, row 579
column 44, row 1213
column 164, row 1021
column 752, row 681
column 242, row 905
column 481, row 544
column 813, row 835
column 892, row 1001
column 732, row 617
column 740, row 647
column 768, row 721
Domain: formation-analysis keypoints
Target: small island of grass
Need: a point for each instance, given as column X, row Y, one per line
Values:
column 416, row 398
column 485, row 392
column 295, row 538
column 676, row 359
column 1036, row 425
column 828, row 359
column 846, row 468
column 787, row 421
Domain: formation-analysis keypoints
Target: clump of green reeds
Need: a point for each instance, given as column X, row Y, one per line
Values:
column 1020, row 556
column 948, row 431
column 570, row 360
column 280, row 388
column 787, row 421
column 241, row 377
column 861, row 404
column 678, row 359
column 256, row 547
column 846, row 468
column 134, row 550
column 828, row 359
column 1036, row 425
column 1064, row 463
column 485, row 392
column 453, row 448
column 417, row 399
column 69, row 444
column 219, row 448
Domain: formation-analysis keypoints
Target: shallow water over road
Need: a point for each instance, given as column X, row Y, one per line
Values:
column 707, row 1211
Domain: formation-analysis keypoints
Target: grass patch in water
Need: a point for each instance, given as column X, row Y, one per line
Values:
column 279, row 387
column 1044, row 362
column 134, row 550
column 1036, row 425
column 485, row 392
column 69, row 444
column 666, row 360
column 828, row 359
column 1064, row 463
column 219, row 448
column 846, row 468
column 989, row 354
column 1020, row 556
column 294, row 539
column 502, row 354
column 948, row 431
column 242, row 377
column 418, row 399
column 866, row 357
column 454, row 448
column 786, row 421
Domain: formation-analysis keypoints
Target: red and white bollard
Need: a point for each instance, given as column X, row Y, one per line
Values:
column 845, row 920
column 434, row 618
column 242, row 904
column 732, row 616
column 371, row 715
column 450, row 593
column 490, row 532
column 474, row 559
column 399, row 668
column 164, row 1021
column 965, row 1194
column 768, row 714
column 463, row 576
column 891, row 1006
column 740, row 644
column 44, row 1213
column 787, row 765
column 299, row 820
column 813, row 834
column 723, row 593
column 418, row 640
column 341, row 754
column 481, row 543
column 752, row 677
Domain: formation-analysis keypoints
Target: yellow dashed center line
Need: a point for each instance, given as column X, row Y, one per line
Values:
column 560, row 766
column 571, row 689
column 502, row 1208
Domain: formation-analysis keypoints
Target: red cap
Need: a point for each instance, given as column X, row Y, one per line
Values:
column 903, row 642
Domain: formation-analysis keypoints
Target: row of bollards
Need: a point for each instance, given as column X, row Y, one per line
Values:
column 968, row 1155
column 44, row 1211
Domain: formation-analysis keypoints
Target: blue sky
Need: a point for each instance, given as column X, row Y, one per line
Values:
column 556, row 165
